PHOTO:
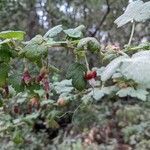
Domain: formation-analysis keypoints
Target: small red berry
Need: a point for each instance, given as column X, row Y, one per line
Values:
column 94, row 74
column 90, row 74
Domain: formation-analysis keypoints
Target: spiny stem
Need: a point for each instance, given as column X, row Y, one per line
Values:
column 132, row 32
column 25, row 63
column 47, row 60
column 87, row 64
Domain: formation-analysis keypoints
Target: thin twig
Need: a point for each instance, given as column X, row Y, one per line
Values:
column 103, row 19
column 132, row 32
column 87, row 64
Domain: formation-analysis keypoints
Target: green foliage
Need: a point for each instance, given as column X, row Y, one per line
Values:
column 76, row 32
column 76, row 72
column 34, row 51
column 4, row 69
column 136, row 93
column 135, row 68
column 35, row 104
column 111, row 68
column 6, row 53
column 64, row 86
column 135, row 11
column 89, row 43
column 53, row 32
column 99, row 93
column 19, row 35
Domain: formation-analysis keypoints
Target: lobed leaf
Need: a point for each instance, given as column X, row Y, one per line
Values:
column 76, row 72
column 89, row 43
column 4, row 69
column 135, row 11
column 136, row 93
column 54, row 31
column 19, row 35
column 76, row 32
column 112, row 67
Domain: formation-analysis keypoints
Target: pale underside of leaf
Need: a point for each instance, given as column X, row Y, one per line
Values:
column 111, row 68
column 54, row 31
column 98, row 93
column 137, row 69
column 138, row 93
column 135, row 11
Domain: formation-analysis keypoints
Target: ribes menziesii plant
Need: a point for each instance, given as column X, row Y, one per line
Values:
column 101, row 107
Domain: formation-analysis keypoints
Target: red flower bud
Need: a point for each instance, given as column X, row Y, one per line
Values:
column 46, row 84
column 34, row 102
column 26, row 76
column 16, row 109
column 6, row 90
column 47, row 95
column 42, row 74
column 61, row 102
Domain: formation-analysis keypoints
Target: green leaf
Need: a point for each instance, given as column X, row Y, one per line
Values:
column 4, row 69
column 5, row 53
column 73, row 68
column 15, row 81
column 21, row 98
column 38, row 39
column 19, row 35
column 109, row 57
column 76, row 32
column 34, row 51
column 89, row 43
column 80, row 28
column 142, row 54
column 34, row 87
column 137, row 68
column 137, row 93
column 142, row 46
column 40, row 92
column 31, row 116
column 65, row 86
column 72, row 33
column 98, row 93
column 45, row 102
column 112, row 67
column 17, row 137
column 135, row 11
column 79, row 82
column 76, row 72
column 54, row 31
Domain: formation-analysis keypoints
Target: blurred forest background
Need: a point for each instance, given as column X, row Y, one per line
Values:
column 37, row 16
